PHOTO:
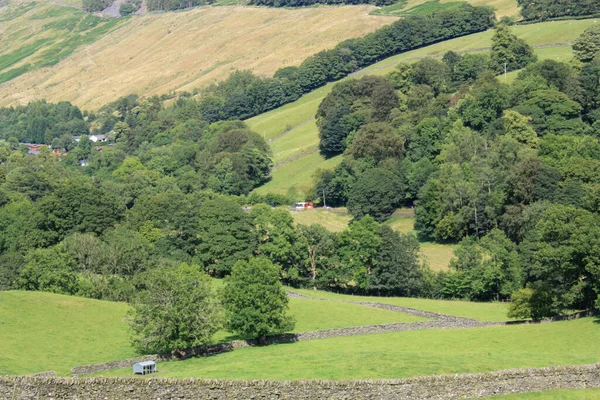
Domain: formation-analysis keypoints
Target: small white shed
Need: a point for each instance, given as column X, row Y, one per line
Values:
column 144, row 367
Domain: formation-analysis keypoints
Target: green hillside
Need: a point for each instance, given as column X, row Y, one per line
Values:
column 484, row 312
column 302, row 134
column 402, row 354
column 44, row 331
column 67, row 331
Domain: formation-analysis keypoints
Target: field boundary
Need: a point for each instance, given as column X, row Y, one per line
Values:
column 436, row 321
column 367, row 71
column 448, row 387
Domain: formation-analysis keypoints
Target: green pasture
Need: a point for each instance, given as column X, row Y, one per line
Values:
column 45, row 331
column 485, row 312
column 298, row 173
column 314, row 315
column 301, row 140
column 332, row 221
column 402, row 354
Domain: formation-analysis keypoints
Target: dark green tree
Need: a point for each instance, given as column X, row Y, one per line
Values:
column 587, row 45
column 509, row 51
column 397, row 270
column 225, row 235
column 377, row 192
column 255, row 302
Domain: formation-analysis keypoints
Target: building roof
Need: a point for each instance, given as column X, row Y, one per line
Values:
column 145, row 363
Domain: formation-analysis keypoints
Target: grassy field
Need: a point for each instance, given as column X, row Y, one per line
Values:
column 403, row 354
column 579, row 394
column 335, row 222
column 68, row 331
column 313, row 315
column 485, row 312
column 156, row 53
column 300, row 170
column 44, row 331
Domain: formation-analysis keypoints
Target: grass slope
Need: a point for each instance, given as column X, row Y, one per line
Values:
column 44, row 331
column 300, row 170
column 403, row 354
column 160, row 52
column 313, row 315
column 38, row 35
column 485, row 312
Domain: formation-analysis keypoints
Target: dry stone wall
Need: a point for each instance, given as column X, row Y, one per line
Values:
column 446, row 387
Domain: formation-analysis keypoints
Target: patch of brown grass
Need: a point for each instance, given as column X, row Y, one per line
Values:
column 158, row 53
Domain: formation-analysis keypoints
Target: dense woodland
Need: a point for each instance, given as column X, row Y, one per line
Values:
column 509, row 171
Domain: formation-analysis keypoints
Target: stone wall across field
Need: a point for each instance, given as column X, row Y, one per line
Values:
column 444, row 387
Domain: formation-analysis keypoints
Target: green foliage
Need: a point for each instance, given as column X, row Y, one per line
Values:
column 225, row 235
column 509, row 52
column 49, row 270
column 41, row 122
column 172, row 5
column 278, row 239
column 587, row 46
column 350, row 105
column 397, row 270
column 243, row 95
column 488, row 269
column 357, row 251
column 320, row 246
column 560, row 251
column 376, row 193
column 533, row 302
column 255, row 302
column 547, row 9
column 176, row 311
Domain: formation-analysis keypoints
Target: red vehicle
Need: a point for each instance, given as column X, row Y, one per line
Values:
column 304, row 204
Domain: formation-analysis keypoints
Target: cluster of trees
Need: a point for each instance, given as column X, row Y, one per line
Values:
column 42, row 122
column 243, row 95
column 95, row 5
column 178, row 308
column 148, row 144
column 540, row 10
column 509, row 171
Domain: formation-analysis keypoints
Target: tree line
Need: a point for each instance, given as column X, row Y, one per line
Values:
column 541, row 10
column 244, row 95
column 509, row 171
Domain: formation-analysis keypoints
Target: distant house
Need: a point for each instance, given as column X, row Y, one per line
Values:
column 98, row 138
column 93, row 138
